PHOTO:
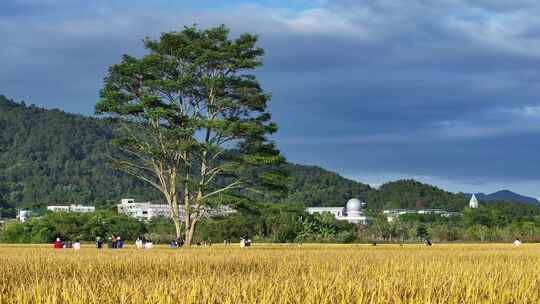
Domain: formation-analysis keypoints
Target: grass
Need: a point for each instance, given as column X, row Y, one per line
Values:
column 457, row 273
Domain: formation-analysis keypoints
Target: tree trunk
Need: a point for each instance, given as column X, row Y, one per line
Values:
column 178, row 227
column 187, row 235
column 189, row 231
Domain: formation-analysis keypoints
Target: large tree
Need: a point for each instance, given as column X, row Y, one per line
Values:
column 194, row 122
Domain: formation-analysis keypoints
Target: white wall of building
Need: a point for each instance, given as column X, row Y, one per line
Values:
column 23, row 215
column 148, row 210
column 392, row 214
column 335, row 211
column 143, row 211
column 72, row 208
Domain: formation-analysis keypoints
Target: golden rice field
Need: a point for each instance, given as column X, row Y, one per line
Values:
column 273, row 274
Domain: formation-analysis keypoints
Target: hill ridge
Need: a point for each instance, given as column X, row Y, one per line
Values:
column 506, row 195
column 53, row 157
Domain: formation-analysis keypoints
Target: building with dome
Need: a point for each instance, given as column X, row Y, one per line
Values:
column 352, row 212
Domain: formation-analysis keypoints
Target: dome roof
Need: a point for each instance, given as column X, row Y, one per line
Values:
column 354, row 204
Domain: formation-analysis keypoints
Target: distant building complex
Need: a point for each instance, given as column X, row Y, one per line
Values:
column 147, row 210
column 353, row 212
column 143, row 211
column 72, row 208
column 392, row 214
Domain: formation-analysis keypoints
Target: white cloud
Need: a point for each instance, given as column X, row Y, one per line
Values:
column 529, row 113
column 532, row 111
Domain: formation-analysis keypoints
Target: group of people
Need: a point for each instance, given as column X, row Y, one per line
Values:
column 245, row 242
column 176, row 243
column 58, row 244
column 115, row 242
column 142, row 243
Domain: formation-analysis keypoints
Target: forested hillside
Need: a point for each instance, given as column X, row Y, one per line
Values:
column 51, row 157
column 314, row 186
column 411, row 194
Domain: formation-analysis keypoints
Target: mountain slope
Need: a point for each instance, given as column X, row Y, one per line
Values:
column 314, row 186
column 411, row 194
column 51, row 157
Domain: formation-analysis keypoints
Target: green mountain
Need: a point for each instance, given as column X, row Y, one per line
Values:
column 411, row 194
column 506, row 195
column 314, row 186
column 52, row 157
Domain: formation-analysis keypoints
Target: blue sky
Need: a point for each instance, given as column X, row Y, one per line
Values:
column 443, row 91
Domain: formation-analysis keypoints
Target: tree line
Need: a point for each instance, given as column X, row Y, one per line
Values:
column 498, row 221
column 289, row 223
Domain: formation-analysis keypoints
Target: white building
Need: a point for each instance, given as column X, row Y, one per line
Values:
column 440, row 212
column 72, row 208
column 143, row 211
column 392, row 214
column 352, row 212
column 148, row 210
column 335, row 211
column 82, row 209
column 58, row 208
column 23, row 215
column 473, row 203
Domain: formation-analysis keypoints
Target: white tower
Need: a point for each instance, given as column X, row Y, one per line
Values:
column 473, row 203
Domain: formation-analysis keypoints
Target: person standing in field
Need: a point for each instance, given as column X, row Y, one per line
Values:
column 77, row 245
column 119, row 243
column 139, row 243
column 242, row 242
column 58, row 244
column 99, row 243
column 109, row 243
column 517, row 243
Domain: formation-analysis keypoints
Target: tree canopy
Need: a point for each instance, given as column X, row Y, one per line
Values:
column 194, row 121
